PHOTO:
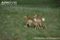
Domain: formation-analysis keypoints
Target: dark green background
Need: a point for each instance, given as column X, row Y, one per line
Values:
column 51, row 3
column 12, row 20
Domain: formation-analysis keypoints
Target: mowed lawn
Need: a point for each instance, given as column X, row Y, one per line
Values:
column 12, row 23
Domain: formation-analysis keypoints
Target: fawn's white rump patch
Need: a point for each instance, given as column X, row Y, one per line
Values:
column 43, row 19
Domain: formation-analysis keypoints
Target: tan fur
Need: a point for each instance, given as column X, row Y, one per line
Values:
column 28, row 21
column 35, row 21
column 38, row 19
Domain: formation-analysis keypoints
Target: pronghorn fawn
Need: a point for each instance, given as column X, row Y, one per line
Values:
column 39, row 20
column 28, row 21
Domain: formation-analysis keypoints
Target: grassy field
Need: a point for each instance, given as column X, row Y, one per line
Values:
column 12, row 23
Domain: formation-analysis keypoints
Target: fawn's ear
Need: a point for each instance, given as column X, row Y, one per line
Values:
column 25, row 17
column 35, row 15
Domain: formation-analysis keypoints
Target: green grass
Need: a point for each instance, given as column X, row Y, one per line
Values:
column 12, row 23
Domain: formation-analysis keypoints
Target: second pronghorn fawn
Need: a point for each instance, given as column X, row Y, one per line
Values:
column 39, row 20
